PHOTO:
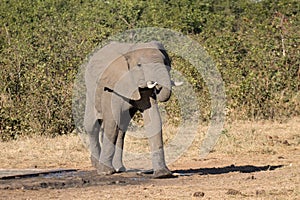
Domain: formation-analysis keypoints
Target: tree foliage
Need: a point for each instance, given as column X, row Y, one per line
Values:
column 42, row 42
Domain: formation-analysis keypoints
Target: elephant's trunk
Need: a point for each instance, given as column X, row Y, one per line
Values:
column 157, row 76
column 163, row 94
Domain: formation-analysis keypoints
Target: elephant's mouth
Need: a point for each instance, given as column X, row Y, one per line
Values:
column 151, row 84
column 162, row 93
column 148, row 84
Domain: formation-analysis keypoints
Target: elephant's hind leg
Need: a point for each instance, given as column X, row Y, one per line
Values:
column 125, row 119
column 108, row 148
column 94, row 144
column 117, row 160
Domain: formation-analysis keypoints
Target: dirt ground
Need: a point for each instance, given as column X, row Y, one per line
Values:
column 252, row 160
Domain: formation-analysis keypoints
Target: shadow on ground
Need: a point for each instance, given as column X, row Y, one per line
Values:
column 228, row 169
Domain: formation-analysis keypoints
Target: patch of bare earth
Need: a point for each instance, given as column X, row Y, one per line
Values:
column 252, row 160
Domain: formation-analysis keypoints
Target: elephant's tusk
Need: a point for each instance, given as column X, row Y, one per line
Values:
column 151, row 84
column 175, row 83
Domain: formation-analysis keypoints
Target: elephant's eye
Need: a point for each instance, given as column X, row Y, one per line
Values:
column 139, row 64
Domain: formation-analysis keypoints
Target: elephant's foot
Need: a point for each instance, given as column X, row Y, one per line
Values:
column 119, row 166
column 162, row 173
column 120, row 169
column 103, row 169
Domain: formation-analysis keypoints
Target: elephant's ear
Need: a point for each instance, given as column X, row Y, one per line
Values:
column 117, row 78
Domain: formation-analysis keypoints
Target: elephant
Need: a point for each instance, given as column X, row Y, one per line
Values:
column 121, row 79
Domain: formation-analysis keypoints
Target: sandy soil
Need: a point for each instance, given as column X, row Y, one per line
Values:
column 252, row 160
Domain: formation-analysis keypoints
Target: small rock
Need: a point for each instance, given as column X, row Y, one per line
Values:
column 260, row 192
column 250, row 178
column 285, row 142
column 233, row 192
column 198, row 194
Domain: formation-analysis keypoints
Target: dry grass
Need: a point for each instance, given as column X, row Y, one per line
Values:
column 265, row 138
column 42, row 152
column 260, row 143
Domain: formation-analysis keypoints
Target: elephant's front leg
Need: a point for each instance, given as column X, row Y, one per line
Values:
column 109, row 138
column 153, row 126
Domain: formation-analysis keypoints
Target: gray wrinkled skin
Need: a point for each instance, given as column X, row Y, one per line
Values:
column 118, row 79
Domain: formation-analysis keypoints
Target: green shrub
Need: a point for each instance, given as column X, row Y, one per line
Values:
column 42, row 43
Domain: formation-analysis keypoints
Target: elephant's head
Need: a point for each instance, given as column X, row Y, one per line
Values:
column 145, row 65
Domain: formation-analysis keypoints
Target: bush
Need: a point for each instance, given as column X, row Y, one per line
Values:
column 42, row 43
